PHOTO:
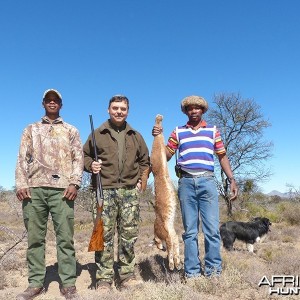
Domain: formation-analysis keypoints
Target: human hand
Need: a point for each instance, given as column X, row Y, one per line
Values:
column 23, row 194
column 96, row 166
column 139, row 185
column 70, row 192
column 156, row 130
column 233, row 190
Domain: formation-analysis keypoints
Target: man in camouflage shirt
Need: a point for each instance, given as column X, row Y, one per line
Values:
column 123, row 159
column 48, row 175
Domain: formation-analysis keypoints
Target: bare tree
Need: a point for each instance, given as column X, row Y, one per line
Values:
column 8, row 232
column 85, row 197
column 294, row 192
column 2, row 193
column 241, row 125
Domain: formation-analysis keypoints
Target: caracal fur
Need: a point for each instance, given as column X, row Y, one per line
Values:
column 165, row 201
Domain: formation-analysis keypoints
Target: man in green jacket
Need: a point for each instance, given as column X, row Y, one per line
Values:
column 123, row 159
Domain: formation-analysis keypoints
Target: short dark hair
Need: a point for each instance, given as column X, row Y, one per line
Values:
column 118, row 98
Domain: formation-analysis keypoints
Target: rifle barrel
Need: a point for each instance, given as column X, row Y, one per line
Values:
column 99, row 190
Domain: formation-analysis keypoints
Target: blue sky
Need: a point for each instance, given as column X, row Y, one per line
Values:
column 156, row 53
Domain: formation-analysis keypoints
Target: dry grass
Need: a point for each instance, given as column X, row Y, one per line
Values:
column 277, row 254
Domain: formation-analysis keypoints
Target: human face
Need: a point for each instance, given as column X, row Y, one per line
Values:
column 194, row 113
column 52, row 105
column 118, row 112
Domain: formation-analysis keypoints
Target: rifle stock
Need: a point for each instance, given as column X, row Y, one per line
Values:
column 97, row 239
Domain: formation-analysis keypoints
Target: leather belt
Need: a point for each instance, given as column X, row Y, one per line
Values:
column 205, row 174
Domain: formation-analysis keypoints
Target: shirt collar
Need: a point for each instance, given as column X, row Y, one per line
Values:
column 106, row 126
column 116, row 128
column 45, row 119
column 202, row 124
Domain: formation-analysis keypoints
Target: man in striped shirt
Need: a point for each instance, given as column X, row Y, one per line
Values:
column 196, row 143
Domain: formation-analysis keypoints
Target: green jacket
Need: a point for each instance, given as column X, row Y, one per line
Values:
column 135, row 161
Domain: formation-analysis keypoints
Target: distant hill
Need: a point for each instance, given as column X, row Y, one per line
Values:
column 276, row 193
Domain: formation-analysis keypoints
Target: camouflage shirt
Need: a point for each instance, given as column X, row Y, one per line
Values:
column 50, row 155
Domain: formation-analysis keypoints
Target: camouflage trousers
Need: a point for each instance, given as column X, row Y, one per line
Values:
column 120, row 211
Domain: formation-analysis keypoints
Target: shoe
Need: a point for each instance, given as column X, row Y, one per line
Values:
column 69, row 292
column 215, row 279
column 191, row 279
column 129, row 282
column 30, row 293
column 192, row 276
column 103, row 286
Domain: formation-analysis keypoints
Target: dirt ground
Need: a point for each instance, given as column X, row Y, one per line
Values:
column 278, row 253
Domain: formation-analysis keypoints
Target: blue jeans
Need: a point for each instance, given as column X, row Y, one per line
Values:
column 199, row 196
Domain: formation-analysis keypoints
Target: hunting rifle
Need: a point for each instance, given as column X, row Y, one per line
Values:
column 97, row 240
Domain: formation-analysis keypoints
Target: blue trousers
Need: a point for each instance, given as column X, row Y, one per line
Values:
column 198, row 196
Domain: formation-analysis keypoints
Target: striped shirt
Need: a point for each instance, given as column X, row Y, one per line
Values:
column 196, row 147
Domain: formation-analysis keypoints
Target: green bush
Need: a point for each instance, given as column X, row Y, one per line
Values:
column 290, row 212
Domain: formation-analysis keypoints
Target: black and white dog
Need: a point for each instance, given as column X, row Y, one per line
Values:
column 249, row 232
